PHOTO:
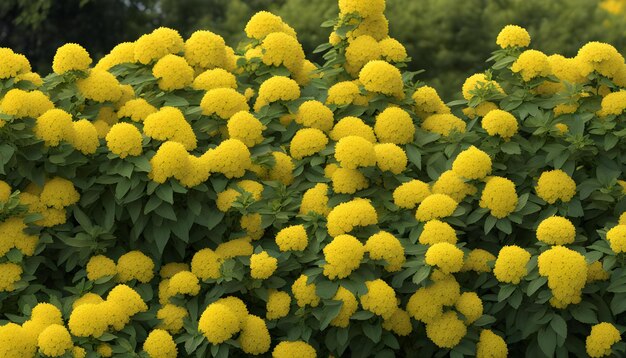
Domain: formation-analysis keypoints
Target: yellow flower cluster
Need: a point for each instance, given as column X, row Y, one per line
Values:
column 501, row 123
column 556, row 230
column 617, row 238
column 343, row 218
column 342, row 255
column 566, row 271
column 385, row 246
column 555, row 185
column 499, row 196
column 513, row 36
column 602, row 337
column 510, row 266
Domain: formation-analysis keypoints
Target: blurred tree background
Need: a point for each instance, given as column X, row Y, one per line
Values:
column 451, row 39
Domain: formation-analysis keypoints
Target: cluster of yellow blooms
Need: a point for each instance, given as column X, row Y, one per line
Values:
column 315, row 176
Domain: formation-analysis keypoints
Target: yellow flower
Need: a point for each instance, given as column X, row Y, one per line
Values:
column 435, row 206
column 479, row 111
column 13, row 63
column 54, row 341
column 255, row 337
column 343, row 93
column 477, row 82
column 105, row 350
column 100, row 86
column 157, row 44
column 446, row 256
column 215, row 78
column 411, row 193
column 304, row 293
column 511, row 263
column 602, row 58
column 282, row 170
column 361, row 50
column 70, row 57
column 88, row 320
column 428, row 102
column 315, row 114
column 262, row 265
column 160, row 344
column 532, row 64
column 54, row 126
column 556, row 230
column 282, row 49
column 385, row 246
column 231, row 158
column 382, row 77
column 5, row 192
column 349, row 306
column 173, row 72
column 135, row 265
column 365, row 8
column 206, row 264
column 472, row 163
column 392, row 50
column 613, row 104
column 380, row 299
column 602, row 337
column 171, row 317
column 223, row 102
column 352, row 126
column 498, row 122
column 595, row 272
column 21, row 104
column 100, row 266
column 490, row 345
column 348, row 181
column 446, row 331
column 278, row 305
column 245, row 127
column 277, row 88
column 470, row 306
column 128, row 299
column 205, row 50
column 555, row 185
column 13, row 347
column 394, row 125
column 85, row 137
column 315, row 200
column 513, row 36
column 344, row 217
column 451, row 184
column 353, row 152
column 306, row 142
column 170, row 160
column 124, row 139
column 299, row 349
column 59, row 193
column 184, row 283
column 617, row 238
column 121, row 53
column 342, row 255
column 292, row 238
column 233, row 248
column 399, row 323
column 436, row 231
column 390, row 157
column 264, row 23
column 499, row 197
column 443, row 124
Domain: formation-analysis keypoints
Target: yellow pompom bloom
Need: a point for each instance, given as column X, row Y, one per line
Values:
column 446, row 256
column 499, row 196
column 124, row 139
column 385, row 246
column 477, row 260
column 255, row 337
column 513, row 36
column 170, row 160
column 15, row 342
column 245, row 127
column 344, row 217
column 435, row 206
column 617, row 238
column 411, row 193
column 472, row 163
column 399, row 323
column 470, row 305
column 443, row 124
column 184, row 283
column 566, row 271
column 602, row 337
column 436, row 231
column 299, row 349
column 85, row 137
column 21, row 104
column 78, row 352
column 342, row 255
column 510, row 266
column 306, row 142
column 501, row 123
column 353, row 152
column 206, row 50
column 100, row 266
column 121, row 53
column 382, row 77
column 315, row 114
column 602, row 58
column 206, row 264
column 13, row 64
column 613, row 104
column 282, row 49
column 171, row 269
column 278, row 305
column 262, row 24
column 223, row 102
column 555, row 185
column 451, row 184
column 480, row 111
column 160, row 344
column 5, row 192
column 231, row 158
column 343, row 93
column 532, row 64
column 157, row 44
column 352, row 126
column 218, row 323
column 380, row 299
column 135, row 265
column 54, row 341
column 292, row 238
column 70, row 57
column 360, row 51
column 556, row 230
column 478, row 81
column 128, row 298
column 277, row 88
column 171, row 317
column 282, row 170
column 392, row 50
column 394, row 125
column 595, row 272
column 88, row 320
column 100, row 86
column 46, row 313
column 233, row 248
column 215, row 78
column 390, row 157
column 262, row 265
column 54, row 126
column 315, row 200
column 59, row 193
column 87, row 298
column 173, row 72
column 304, row 293
column 446, row 331
column 348, row 307
column 428, row 102
column 490, row 345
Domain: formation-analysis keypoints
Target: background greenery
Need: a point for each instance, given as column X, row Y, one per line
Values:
column 449, row 38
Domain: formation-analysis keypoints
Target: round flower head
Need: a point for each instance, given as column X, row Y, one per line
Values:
column 218, row 323
column 392, row 50
column 287, row 349
column 231, row 158
column 451, row 184
column 136, row 109
column 21, row 104
column 443, row 124
column 173, row 72
column 255, row 337
column 472, row 163
column 566, row 271
column 184, row 283
column 160, row 344
column 435, row 206
column 282, row 170
column 205, row 264
column 556, row 230
column 353, row 152
column 364, row 8
column 491, row 345
column 385, row 246
column 278, row 305
column 343, row 93
column 602, row 337
column 70, row 57
column 382, row 77
column 352, row 126
column 135, row 265
column 304, row 292
column 59, row 193
column 380, row 299
column 470, row 306
column 282, row 49
column 617, row 238
column 245, row 127
column 12, row 64
column 205, row 50
column 602, row 58
column 511, row 263
column 100, row 86
column 54, row 126
column 171, row 317
column 613, row 104
column 532, row 64
column 446, row 331
column 315, row 114
column 262, row 24
column 342, row 255
column 307, row 142
column 360, row 51
column 215, row 78
column 478, row 260
column 479, row 82
column 394, row 125
column 513, row 36
column 500, row 123
column 428, row 102
column 436, row 231
column 344, row 217
column 170, row 161
column 88, row 320
column 223, row 102
column 315, row 200
column 277, row 88
column 411, row 193
column 158, row 43
column 555, row 185
column 54, row 341
column 46, row 313
column 480, row 111
column 262, row 265
column 85, row 138
column 292, row 238
column 499, row 196
column 399, row 323
column 124, row 139
column 100, row 266
column 447, row 257
column 122, row 53
column 349, row 305
column 390, row 157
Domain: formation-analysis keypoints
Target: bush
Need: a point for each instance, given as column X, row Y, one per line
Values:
column 184, row 198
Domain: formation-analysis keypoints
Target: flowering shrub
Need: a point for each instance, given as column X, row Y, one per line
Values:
column 185, row 198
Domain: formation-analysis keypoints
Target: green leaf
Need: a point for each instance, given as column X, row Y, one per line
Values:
column 546, row 338
column 535, row 284
column 326, row 289
column 559, row 326
column 506, row 291
column 373, row 331
column 584, row 314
